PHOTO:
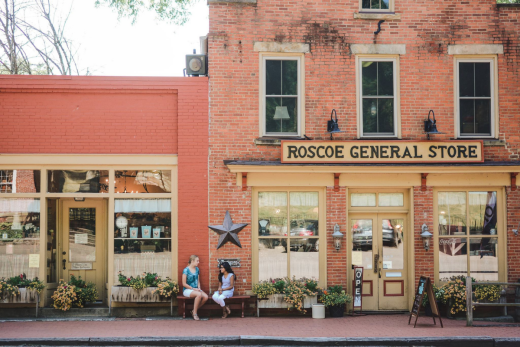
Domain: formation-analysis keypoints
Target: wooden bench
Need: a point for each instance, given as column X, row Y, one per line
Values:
column 233, row 302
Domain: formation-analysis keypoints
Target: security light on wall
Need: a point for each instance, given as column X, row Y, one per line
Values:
column 196, row 64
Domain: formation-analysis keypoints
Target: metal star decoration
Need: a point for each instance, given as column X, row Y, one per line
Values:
column 228, row 231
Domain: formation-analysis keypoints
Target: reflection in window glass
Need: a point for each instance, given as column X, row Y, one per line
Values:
column 305, row 258
column 363, row 199
column 142, row 240
column 281, row 102
column 482, row 213
column 77, row 181
column 272, row 213
column 453, row 259
column 391, row 199
column 52, row 275
column 272, row 258
column 19, row 181
column 452, row 213
column 143, row 181
column 362, row 242
column 483, row 258
column 82, row 235
column 304, row 213
column 393, row 245
column 19, row 236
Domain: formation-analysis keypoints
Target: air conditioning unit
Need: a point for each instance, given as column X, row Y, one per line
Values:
column 196, row 64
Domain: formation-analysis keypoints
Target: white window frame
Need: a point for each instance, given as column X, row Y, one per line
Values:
column 494, row 95
column 300, row 128
column 390, row 7
column 359, row 89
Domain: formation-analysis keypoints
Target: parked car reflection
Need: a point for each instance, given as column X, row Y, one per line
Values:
column 362, row 236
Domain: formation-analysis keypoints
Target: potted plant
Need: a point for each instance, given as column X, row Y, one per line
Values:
column 75, row 293
column 148, row 287
column 287, row 293
column 335, row 299
column 438, row 293
column 20, row 289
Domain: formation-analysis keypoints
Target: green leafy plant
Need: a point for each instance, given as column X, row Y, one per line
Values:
column 264, row 289
column 22, row 281
column 335, row 296
column 437, row 291
column 311, row 284
column 167, row 288
column 74, row 293
column 7, row 289
column 279, row 285
column 151, row 279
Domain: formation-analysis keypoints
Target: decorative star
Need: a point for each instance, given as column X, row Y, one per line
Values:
column 228, row 231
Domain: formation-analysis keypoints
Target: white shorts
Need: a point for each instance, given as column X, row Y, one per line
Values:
column 187, row 292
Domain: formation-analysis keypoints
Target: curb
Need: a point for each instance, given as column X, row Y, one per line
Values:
column 461, row 341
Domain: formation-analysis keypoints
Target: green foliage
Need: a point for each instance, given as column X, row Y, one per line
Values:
column 279, row 285
column 311, row 284
column 167, row 288
column 173, row 11
column 295, row 292
column 438, row 292
column 74, row 293
column 12, row 284
column 147, row 279
column 508, row 1
column 264, row 289
column 335, row 296
column 151, row 279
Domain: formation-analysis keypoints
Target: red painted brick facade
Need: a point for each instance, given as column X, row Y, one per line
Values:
column 426, row 82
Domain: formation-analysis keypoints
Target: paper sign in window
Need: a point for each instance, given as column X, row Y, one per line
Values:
column 81, row 238
column 34, row 260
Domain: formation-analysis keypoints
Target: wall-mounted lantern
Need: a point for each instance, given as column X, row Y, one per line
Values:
column 426, row 236
column 337, row 237
column 430, row 125
column 332, row 124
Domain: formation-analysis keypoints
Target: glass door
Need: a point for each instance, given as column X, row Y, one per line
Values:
column 83, row 245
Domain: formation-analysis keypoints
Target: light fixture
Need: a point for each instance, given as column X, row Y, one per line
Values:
column 430, row 126
column 426, row 236
column 337, row 236
column 281, row 113
column 332, row 124
column 373, row 109
column 79, row 199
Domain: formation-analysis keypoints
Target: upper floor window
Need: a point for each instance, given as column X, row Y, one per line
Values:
column 475, row 97
column 281, row 95
column 378, row 102
column 376, row 5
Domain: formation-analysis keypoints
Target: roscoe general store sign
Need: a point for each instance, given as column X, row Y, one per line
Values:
column 382, row 151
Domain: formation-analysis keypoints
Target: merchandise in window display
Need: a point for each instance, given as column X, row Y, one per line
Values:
column 146, row 231
column 156, row 233
column 133, row 233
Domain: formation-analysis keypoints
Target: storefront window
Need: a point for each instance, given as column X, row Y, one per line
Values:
column 296, row 252
column 143, row 181
column 77, row 181
column 52, row 206
column 19, row 181
column 142, row 239
column 474, row 255
column 20, row 237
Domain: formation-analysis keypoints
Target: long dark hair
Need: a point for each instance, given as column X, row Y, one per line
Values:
column 228, row 268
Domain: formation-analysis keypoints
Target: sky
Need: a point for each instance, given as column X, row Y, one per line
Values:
column 112, row 47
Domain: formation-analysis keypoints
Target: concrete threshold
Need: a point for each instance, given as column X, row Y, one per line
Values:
column 462, row 341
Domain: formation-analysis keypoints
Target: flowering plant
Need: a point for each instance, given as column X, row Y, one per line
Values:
column 167, row 288
column 264, row 288
column 335, row 296
column 455, row 294
column 487, row 292
column 11, row 285
column 7, row 289
column 64, row 296
column 295, row 292
column 437, row 291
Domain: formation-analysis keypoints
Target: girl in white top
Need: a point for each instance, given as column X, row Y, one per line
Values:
column 226, row 287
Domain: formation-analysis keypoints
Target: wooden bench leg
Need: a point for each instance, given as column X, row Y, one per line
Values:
column 183, row 309
column 243, row 305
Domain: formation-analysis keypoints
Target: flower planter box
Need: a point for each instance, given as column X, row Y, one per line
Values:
column 26, row 296
column 129, row 294
column 277, row 301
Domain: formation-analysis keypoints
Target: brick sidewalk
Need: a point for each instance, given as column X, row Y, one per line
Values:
column 364, row 326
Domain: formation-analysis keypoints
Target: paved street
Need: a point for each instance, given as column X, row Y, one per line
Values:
column 377, row 326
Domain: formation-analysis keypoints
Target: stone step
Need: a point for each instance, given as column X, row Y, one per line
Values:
column 48, row 312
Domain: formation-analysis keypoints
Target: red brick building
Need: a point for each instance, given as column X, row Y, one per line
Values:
column 278, row 69
column 100, row 175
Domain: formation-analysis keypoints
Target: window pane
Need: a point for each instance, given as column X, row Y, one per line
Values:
column 142, row 181
column 385, row 78
column 483, row 259
column 19, row 181
column 467, row 116
column 19, row 236
column 385, row 116
column 393, row 246
column 375, row 4
column 304, row 214
column 363, row 199
column 289, row 77
column 77, row 181
column 272, row 213
column 483, row 116
column 82, row 235
column 273, row 77
column 452, row 213
column 453, row 260
column 482, row 79
column 52, row 205
column 385, row 4
column 391, row 199
column 483, row 213
column 369, row 77
column 305, row 258
column 466, row 79
column 369, row 115
column 366, row 4
column 361, row 230
column 272, row 259
column 281, row 125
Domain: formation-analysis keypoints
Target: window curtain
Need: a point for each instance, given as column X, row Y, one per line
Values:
column 20, row 205
column 142, row 205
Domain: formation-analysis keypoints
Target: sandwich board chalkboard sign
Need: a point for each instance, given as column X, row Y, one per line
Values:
column 423, row 286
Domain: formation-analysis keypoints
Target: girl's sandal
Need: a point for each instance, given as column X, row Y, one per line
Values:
column 228, row 310
column 195, row 317
column 224, row 314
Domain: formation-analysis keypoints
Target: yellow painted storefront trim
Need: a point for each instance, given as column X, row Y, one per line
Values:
column 108, row 162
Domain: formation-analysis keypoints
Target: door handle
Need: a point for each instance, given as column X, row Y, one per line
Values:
column 376, row 263
column 64, row 262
